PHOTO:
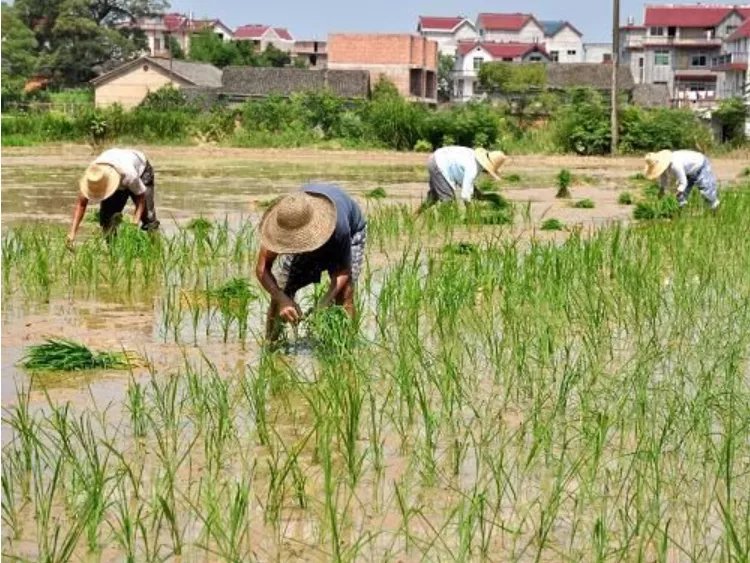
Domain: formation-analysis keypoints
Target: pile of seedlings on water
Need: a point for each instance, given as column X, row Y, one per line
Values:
column 584, row 204
column 552, row 224
column 564, row 180
column 377, row 193
column 59, row 354
column 625, row 198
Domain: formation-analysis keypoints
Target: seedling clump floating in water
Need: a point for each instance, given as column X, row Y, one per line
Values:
column 59, row 354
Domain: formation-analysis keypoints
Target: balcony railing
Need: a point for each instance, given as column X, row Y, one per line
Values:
column 726, row 60
column 659, row 41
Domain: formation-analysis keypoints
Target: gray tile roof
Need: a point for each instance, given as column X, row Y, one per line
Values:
column 196, row 74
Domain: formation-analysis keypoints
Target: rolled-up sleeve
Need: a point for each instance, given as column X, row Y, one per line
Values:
column 681, row 177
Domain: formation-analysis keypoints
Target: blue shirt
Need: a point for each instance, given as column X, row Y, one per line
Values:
column 459, row 167
column 336, row 253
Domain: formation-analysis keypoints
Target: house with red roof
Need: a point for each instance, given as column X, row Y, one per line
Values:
column 471, row 55
column 264, row 35
column 516, row 27
column 160, row 28
column 678, row 46
column 447, row 31
column 732, row 64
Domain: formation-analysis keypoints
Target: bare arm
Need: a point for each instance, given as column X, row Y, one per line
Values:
column 78, row 213
column 140, row 207
column 288, row 309
column 339, row 279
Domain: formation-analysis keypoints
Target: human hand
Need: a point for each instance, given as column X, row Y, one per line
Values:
column 70, row 242
column 289, row 311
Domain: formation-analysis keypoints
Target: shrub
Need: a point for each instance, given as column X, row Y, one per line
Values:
column 564, row 179
column 552, row 224
column 583, row 125
column 625, row 198
column 584, row 204
column 394, row 121
column 423, row 145
column 644, row 130
column 166, row 98
column 732, row 115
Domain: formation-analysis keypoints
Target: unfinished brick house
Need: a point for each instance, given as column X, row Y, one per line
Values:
column 409, row 61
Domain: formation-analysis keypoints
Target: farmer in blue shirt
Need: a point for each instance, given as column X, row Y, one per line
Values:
column 320, row 228
column 453, row 171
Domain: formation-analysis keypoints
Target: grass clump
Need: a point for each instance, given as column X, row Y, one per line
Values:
column 486, row 184
column 60, row 354
column 460, row 249
column 493, row 211
column 552, row 224
column 423, row 145
column 625, row 198
column 664, row 208
column 512, row 178
column 377, row 193
column 564, row 179
column 200, row 225
column 584, row 204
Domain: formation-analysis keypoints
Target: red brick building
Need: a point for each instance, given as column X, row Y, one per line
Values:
column 409, row 61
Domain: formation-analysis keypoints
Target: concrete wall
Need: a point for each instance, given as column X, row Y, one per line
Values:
column 130, row 88
column 564, row 41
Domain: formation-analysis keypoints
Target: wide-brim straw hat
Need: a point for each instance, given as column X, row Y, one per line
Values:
column 99, row 182
column 297, row 223
column 490, row 161
column 657, row 163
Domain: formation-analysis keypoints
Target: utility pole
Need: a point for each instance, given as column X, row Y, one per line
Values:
column 615, row 65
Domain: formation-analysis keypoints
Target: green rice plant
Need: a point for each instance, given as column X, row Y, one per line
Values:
column 564, row 179
column 92, row 217
column 266, row 203
column 332, row 330
column 652, row 190
column 200, row 227
column 745, row 173
column 233, row 299
column 59, row 354
column 552, row 224
column 625, row 198
column 376, row 193
column 584, row 204
column 486, row 183
column 664, row 208
column 512, row 178
column 460, row 249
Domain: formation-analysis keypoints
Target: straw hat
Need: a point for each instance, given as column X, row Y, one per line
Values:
column 490, row 161
column 657, row 163
column 297, row 223
column 99, row 182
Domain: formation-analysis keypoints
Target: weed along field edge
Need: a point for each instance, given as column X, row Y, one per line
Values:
column 548, row 379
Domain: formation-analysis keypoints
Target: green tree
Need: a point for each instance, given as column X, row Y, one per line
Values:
column 75, row 38
column 731, row 115
column 208, row 47
column 175, row 49
column 273, row 56
column 445, row 77
column 19, row 46
column 512, row 78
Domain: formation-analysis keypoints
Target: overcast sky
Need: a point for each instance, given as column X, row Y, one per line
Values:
column 314, row 19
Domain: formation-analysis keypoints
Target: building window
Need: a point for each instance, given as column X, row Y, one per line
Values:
column 508, row 59
column 535, row 58
column 554, row 56
column 731, row 29
column 672, row 31
column 661, row 58
column 698, row 60
column 571, row 52
column 607, row 58
column 157, row 44
column 478, row 62
column 657, row 32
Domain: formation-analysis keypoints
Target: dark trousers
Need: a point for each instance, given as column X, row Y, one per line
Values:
column 112, row 207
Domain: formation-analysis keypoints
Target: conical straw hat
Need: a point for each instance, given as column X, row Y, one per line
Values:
column 297, row 223
column 657, row 163
column 99, row 182
column 490, row 161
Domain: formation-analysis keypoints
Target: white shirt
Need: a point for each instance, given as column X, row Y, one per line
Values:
column 130, row 164
column 459, row 167
column 684, row 164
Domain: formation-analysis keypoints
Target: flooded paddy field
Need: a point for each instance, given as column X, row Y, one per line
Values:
column 508, row 393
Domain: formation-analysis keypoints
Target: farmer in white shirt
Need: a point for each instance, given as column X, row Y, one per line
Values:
column 114, row 177
column 687, row 168
column 455, row 169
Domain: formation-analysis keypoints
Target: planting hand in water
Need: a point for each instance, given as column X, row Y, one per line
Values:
column 456, row 168
column 687, row 168
column 319, row 229
column 114, row 177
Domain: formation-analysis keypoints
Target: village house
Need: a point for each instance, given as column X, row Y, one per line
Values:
column 563, row 42
column 447, row 32
column 264, row 35
column 732, row 64
column 312, row 51
column 677, row 45
column 158, row 30
column 409, row 61
column 130, row 83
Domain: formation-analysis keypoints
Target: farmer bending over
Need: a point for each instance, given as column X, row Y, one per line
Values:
column 456, row 168
column 114, row 177
column 687, row 168
column 317, row 229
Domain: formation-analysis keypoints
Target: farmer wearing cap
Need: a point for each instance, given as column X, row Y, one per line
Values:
column 114, row 177
column 455, row 169
column 318, row 229
column 687, row 168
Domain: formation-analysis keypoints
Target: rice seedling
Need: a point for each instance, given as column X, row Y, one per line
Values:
column 377, row 193
column 584, row 204
column 665, row 208
column 512, row 178
column 552, row 224
column 625, row 198
column 564, row 179
column 59, row 354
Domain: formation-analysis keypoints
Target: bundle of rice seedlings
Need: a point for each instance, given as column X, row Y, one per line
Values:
column 625, row 198
column 584, row 204
column 331, row 329
column 200, row 225
column 460, row 248
column 665, row 208
column 377, row 193
column 60, row 354
column 234, row 290
column 553, row 224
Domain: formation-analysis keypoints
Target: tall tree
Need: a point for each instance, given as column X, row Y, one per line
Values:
column 75, row 38
column 445, row 76
column 19, row 46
